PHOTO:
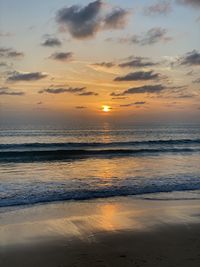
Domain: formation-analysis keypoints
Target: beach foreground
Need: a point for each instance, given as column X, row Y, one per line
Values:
column 109, row 232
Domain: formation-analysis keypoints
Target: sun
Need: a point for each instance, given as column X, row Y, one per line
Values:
column 106, row 108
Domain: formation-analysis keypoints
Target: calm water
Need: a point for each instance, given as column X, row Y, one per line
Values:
column 69, row 163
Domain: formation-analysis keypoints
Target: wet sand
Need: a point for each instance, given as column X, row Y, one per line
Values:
column 109, row 232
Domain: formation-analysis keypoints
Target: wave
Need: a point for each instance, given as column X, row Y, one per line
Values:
column 97, row 144
column 61, row 151
column 49, row 196
column 40, row 155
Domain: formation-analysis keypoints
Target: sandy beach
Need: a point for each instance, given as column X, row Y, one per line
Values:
column 107, row 232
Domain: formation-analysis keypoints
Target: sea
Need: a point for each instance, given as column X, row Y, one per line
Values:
column 46, row 164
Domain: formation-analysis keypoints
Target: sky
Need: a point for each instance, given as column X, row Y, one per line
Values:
column 66, row 59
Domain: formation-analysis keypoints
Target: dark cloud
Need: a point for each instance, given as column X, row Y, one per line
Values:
column 140, row 103
column 81, row 107
column 81, row 22
column 145, row 89
column 141, row 90
column 62, row 56
column 105, row 64
column 194, row 3
column 133, row 104
column 88, row 93
column 117, row 19
column 52, row 42
column 191, row 58
column 138, row 76
column 159, row 8
column 81, row 91
column 10, row 53
column 138, row 62
column 85, row 22
column 152, row 36
column 127, row 105
column 73, row 90
column 8, row 91
column 30, row 76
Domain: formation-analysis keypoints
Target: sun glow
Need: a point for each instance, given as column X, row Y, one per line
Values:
column 106, row 108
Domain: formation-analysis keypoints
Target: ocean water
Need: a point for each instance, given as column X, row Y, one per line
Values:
column 46, row 164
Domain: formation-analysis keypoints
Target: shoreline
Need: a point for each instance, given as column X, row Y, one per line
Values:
column 121, row 231
column 182, row 195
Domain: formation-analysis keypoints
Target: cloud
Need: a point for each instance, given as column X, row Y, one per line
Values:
column 88, row 93
column 73, row 90
column 159, row 8
column 62, row 56
column 8, row 91
column 5, row 34
column 138, row 62
column 190, row 73
column 193, row 3
column 191, row 58
column 177, row 88
column 119, row 97
column 178, row 91
column 80, row 107
column 185, row 95
column 81, row 22
column 84, row 22
column 197, row 80
column 140, row 103
column 145, row 89
column 81, row 91
column 141, row 90
column 116, row 95
column 29, row 76
column 52, row 42
column 104, row 64
column 133, row 104
column 10, row 53
column 152, row 36
column 127, row 105
column 3, row 64
column 117, row 19
column 138, row 76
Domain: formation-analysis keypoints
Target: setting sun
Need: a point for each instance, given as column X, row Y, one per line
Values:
column 106, row 108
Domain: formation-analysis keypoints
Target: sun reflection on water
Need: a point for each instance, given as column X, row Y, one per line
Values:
column 109, row 216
